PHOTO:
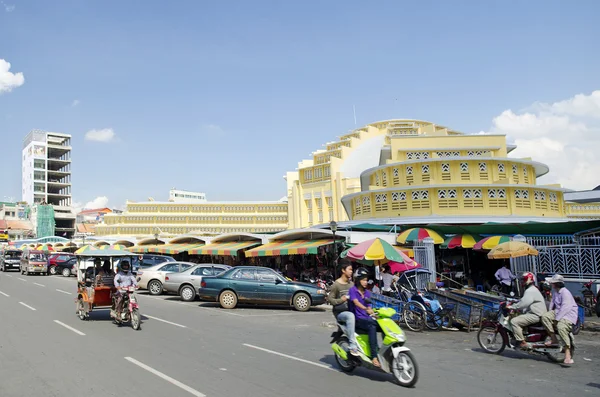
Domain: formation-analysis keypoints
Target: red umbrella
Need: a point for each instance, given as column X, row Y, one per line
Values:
column 408, row 264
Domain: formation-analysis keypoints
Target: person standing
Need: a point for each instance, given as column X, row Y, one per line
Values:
column 563, row 312
column 388, row 279
column 505, row 277
column 338, row 297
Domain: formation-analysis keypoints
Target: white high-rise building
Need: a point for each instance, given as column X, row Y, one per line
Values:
column 47, row 176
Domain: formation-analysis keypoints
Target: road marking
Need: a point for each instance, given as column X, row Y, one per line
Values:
column 27, row 306
column 41, row 285
column 290, row 357
column 64, row 292
column 7, row 295
column 165, row 321
column 223, row 311
column 8, row 275
column 22, row 279
column 165, row 377
column 69, row 327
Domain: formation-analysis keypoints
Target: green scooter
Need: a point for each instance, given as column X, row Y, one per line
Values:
column 395, row 358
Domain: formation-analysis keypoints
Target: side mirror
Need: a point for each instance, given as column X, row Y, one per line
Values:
column 278, row 281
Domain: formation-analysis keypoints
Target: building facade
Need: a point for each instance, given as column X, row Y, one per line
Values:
column 401, row 171
column 205, row 218
column 46, row 176
column 184, row 196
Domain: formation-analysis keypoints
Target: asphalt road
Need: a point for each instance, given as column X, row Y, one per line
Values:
column 196, row 349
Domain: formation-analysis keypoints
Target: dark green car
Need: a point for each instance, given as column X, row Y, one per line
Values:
column 260, row 286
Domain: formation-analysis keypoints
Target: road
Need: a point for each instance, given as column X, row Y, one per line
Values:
column 198, row 349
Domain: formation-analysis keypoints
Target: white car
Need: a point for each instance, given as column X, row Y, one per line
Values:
column 153, row 278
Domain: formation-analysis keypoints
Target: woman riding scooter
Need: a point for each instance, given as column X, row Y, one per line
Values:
column 359, row 298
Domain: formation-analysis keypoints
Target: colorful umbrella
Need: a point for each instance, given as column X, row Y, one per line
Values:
column 44, row 248
column 402, row 267
column 418, row 234
column 490, row 242
column 512, row 249
column 460, row 241
column 117, row 247
column 375, row 250
column 85, row 248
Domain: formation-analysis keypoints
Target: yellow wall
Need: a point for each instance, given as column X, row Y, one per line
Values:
column 212, row 218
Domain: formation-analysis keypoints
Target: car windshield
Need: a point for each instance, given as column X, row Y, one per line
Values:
column 37, row 257
column 12, row 255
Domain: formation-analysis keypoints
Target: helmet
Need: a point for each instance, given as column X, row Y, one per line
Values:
column 361, row 273
column 125, row 266
column 527, row 278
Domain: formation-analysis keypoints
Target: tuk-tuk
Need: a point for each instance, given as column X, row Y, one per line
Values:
column 34, row 262
column 97, row 292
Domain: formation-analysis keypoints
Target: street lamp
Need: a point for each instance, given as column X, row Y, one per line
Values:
column 333, row 226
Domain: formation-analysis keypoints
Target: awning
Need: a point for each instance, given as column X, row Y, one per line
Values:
column 530, row 228
column 229, row 248
column 141, row 249
column 288, row 247
column 174, row 249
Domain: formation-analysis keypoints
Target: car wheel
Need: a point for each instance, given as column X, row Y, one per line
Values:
column 66, row 272
column 187, row 293
column 53, row 270
column 228, row 300
column 301, row 302
column 155, row 287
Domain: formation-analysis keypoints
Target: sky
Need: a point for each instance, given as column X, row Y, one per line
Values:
column 225, row 97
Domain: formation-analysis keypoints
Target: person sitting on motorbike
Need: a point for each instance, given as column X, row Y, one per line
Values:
column 123, row 280
column 533, row 306
column 563, row 312
column 359, row 296
column 338, row 297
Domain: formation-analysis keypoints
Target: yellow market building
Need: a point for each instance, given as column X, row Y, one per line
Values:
column 202, row 218
column 412, row 171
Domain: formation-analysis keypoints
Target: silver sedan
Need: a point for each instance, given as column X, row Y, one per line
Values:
column 186, row 283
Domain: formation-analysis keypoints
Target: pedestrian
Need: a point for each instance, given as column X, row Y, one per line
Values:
column 563, row 312
column 505, row 277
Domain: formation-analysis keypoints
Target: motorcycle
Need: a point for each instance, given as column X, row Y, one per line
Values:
column 395, row 358
column 130, row 312
column 590, row 301
column 497, row 334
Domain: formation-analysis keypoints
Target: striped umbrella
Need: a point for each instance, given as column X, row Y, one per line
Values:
column 490, row 242
column 375, row 251
column 44, row 248
column 460, row 241
column 117, row 247
column 419, row 234
column 86, row 248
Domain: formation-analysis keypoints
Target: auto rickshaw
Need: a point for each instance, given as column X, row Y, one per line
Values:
column 93, row 293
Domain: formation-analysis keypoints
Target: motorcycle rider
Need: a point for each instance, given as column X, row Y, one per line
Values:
column 360, row 304
column 123, row 280
column 338, row 297
column 563, row 311
column 533, row 306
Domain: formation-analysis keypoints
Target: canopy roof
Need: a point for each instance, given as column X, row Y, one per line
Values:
column 226, row 248
column 289, row 247
column 535, row 228
column 97, row 253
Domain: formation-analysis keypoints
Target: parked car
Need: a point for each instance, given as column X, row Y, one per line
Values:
column 153, row 278
column 34, row 262
column 186, row 283
column 66, row 268
column 10, row 259
column 145, row 261
column 54, row 259
column 259, row 285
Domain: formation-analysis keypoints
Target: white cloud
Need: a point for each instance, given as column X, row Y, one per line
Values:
column 76, row 102
column 9, row 80
column 98, row 202
column 8, row 7
column 212, row 129
column 104, row 135
column 565, row 135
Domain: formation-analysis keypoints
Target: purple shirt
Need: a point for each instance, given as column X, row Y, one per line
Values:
column 358, row 312
column 564, row 305
column 504, row 275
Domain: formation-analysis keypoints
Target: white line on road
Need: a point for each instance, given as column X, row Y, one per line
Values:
column 41, row 285
column 22, row 279
column 27, row 306
column 2, row 293
column 165, row 377
column 8, row 275
column 64, row 292
column 290, row 357
column 165, row 321
column 69, row 327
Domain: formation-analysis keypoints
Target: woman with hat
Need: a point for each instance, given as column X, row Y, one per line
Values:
column 563, row 312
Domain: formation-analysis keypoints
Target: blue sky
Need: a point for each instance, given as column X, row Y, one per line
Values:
column 225, row 97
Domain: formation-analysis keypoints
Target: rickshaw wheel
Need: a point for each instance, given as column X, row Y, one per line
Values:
column 81, row 313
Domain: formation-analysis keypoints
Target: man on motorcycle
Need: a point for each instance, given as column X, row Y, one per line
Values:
column 533, row 306
column 563, row 311
column 338, row 297
column 123, row 280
